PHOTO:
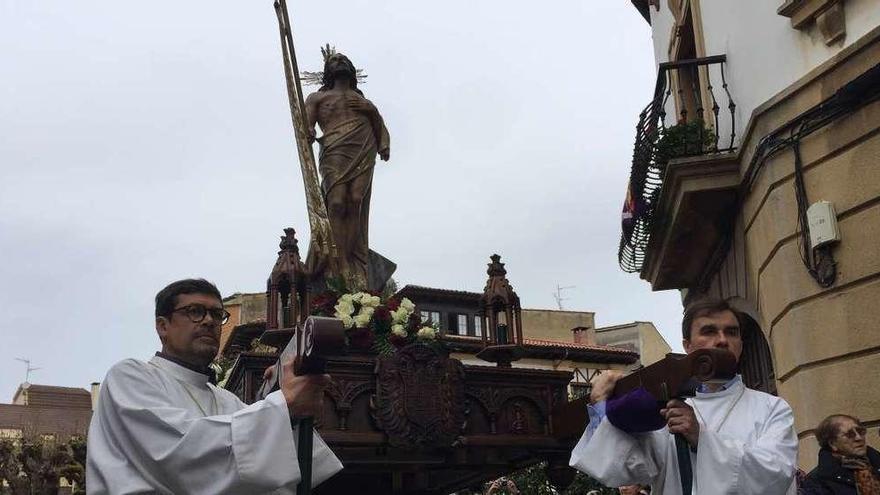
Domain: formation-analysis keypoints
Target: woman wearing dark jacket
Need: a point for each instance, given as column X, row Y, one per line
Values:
column 847, row 466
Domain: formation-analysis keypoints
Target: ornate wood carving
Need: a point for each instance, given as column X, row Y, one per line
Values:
column 516, row 411
column 419, row 400
column 343, row 392
column 493, row 399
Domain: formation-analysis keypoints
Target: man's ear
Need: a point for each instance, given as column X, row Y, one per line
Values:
column 686, row 343
column 162, row 328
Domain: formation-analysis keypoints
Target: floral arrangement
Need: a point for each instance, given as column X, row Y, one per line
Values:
column 373, row 323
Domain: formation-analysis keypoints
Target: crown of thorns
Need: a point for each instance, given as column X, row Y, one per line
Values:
column 316, row 78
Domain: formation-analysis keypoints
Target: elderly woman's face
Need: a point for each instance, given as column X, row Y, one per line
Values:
column 850, row 439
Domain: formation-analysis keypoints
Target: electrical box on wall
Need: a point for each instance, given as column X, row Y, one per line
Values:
column 822, row 220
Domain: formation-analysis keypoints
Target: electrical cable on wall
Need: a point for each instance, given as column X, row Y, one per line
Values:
column 819, row 261
column 856, row 94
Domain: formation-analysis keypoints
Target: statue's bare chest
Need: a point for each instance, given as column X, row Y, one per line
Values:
column 333, row 108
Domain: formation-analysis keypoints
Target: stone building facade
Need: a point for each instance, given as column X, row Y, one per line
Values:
column 798, row 102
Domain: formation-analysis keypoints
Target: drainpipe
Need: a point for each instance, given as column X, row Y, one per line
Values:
column 96, row 387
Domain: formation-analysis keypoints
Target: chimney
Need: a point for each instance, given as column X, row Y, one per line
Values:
column 582, row 335
column 96, row 387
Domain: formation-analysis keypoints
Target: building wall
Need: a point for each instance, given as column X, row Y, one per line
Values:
column 641, row 336
column 824, row 342
column 243, row 308
column 556, row 325
column 653, row 346
column 758, row 66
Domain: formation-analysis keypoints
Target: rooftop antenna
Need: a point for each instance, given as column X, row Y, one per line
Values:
column 558, row 294
column 27, row 363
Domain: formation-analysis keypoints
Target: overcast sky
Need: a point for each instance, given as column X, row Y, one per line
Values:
column 143, row 142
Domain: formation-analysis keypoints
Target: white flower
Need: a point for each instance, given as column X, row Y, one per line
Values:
column 399, row 331
column 358, row 297
column 370, row 301
column 367, row 310
column 343, row 308
column 426, row 333
column 361, row 320
column 400, row 315
column 347, row 321
column 408, row 305
column 347, row 298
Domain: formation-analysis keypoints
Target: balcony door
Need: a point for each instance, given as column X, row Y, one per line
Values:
column 687, row 83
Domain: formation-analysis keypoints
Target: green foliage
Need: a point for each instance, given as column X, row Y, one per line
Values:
column 687, row 139
column 533, row 481
column 34, row 465
column 383, row 348
column 222, row 365
column 336, row 285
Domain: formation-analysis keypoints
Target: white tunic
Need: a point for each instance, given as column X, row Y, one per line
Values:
column 162, row 428
column 747, row 446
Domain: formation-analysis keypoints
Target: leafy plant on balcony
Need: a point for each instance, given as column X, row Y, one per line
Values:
column 685, row 139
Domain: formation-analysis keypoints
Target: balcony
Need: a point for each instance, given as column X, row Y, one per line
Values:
column 684, row 175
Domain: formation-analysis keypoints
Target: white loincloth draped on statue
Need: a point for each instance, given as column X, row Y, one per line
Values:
column 747, row 446
column 161, row 428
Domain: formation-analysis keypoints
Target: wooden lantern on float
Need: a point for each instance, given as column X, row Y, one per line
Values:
column 287, row 295
column 501, row 316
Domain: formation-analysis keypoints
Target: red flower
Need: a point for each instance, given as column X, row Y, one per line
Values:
column 323, row 303
column 396, row 340
column 382, row 314
column 392, row 304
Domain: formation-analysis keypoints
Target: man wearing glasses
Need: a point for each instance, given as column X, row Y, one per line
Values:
column 164, row 427
column 847, row 466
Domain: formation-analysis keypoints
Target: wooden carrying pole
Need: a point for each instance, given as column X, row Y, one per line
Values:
column 322, row 242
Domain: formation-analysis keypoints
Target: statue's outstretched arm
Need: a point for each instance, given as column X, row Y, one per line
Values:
column 311, row 115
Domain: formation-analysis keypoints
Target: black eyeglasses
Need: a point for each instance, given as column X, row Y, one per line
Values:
column 853, row 432
column 196, row 313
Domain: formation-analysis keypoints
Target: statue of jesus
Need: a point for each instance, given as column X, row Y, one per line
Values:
column 353, row 133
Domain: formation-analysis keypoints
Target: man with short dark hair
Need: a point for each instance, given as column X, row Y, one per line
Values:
column 741, row 441
column 164, row 427
column 847, row 466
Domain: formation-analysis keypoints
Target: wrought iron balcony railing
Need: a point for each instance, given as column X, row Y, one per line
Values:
column 686, row 85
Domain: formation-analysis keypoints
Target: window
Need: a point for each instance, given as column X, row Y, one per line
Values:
column 579, row 390
column 478, row 326
column 10, row 433
column 462, row 325
column 430, row 317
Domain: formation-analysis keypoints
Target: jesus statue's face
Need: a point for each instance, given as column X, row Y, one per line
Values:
column 338, row 64
column 718, row 330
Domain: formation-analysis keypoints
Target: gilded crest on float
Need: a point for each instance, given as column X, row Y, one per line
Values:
column 419, row 398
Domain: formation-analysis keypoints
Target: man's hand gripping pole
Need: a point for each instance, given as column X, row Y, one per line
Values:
column 312, row 342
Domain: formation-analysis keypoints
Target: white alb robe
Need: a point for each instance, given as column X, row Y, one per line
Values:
column 161, row 428
column 751, row 452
